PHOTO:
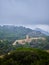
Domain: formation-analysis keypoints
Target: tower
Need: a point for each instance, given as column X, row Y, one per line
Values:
column 27, row 37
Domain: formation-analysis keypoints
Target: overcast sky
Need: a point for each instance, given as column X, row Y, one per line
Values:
column 29, row 13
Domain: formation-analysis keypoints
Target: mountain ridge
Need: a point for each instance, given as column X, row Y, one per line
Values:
column 41, row 30
column 18, row 32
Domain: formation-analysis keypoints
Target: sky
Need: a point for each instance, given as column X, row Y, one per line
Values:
column 28, row 13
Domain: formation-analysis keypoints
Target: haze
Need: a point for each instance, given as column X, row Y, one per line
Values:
column 28, row 13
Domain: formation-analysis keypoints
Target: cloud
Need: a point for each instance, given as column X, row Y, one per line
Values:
column 24, row 12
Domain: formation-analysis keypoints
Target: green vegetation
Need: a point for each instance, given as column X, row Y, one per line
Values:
column 6, row 45
column 14, row 32
column 26, row 56
column 22, row 54
column 41, row 44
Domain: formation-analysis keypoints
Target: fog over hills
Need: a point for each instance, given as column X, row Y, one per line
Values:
column 30, row 13
column 44, row 32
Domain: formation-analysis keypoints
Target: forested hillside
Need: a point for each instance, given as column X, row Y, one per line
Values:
column 15, row 32
column 26, row 56
column 7, row 46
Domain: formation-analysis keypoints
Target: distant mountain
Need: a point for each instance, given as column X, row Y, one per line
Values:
column 20, row 32
column 42, row 31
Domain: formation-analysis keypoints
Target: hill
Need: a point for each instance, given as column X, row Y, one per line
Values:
column 15, row 32
column 26, row 56
column 44, row 32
